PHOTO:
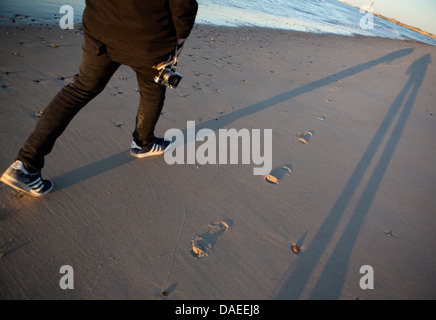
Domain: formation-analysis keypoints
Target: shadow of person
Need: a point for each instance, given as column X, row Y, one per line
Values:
column 330, row 283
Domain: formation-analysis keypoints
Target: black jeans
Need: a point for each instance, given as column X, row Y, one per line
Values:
column 95, row 72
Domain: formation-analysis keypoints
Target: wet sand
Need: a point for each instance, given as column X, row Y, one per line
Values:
column 353, row 129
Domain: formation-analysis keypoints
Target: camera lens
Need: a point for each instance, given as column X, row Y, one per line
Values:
column 173, row 80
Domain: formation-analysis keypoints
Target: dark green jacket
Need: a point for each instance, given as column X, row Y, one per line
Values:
column 137, row 32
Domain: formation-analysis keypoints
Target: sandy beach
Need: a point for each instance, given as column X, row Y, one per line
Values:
column 358, row 191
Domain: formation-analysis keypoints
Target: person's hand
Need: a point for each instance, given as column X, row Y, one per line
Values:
column 180, row 41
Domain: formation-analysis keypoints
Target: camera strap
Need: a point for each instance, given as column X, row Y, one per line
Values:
column 174, row 59
column 176, row 56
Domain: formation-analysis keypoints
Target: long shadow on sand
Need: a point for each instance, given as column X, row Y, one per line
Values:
column 94, row 169
column 330, row 283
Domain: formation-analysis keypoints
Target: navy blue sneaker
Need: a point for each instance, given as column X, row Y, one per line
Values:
column 158, row 147
column 17, row 177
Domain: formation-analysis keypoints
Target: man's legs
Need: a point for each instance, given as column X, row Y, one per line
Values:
column 95, row 72
column 152, row 96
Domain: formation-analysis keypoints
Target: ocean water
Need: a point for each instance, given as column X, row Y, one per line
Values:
column 316, row 16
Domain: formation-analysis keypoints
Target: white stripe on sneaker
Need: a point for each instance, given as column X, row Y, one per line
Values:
column 34, row 182
column 38, row 185
column 133, row 145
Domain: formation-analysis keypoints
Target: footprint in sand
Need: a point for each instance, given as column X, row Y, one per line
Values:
column 202, row 245
column 322, row 118
column 275, row 176
column 305, row 136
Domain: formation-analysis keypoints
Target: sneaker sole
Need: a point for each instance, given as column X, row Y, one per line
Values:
column 17, row 185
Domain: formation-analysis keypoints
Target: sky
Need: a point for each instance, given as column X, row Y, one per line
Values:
column 417, row 13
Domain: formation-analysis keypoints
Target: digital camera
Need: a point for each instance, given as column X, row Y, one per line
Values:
column 169, row 78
